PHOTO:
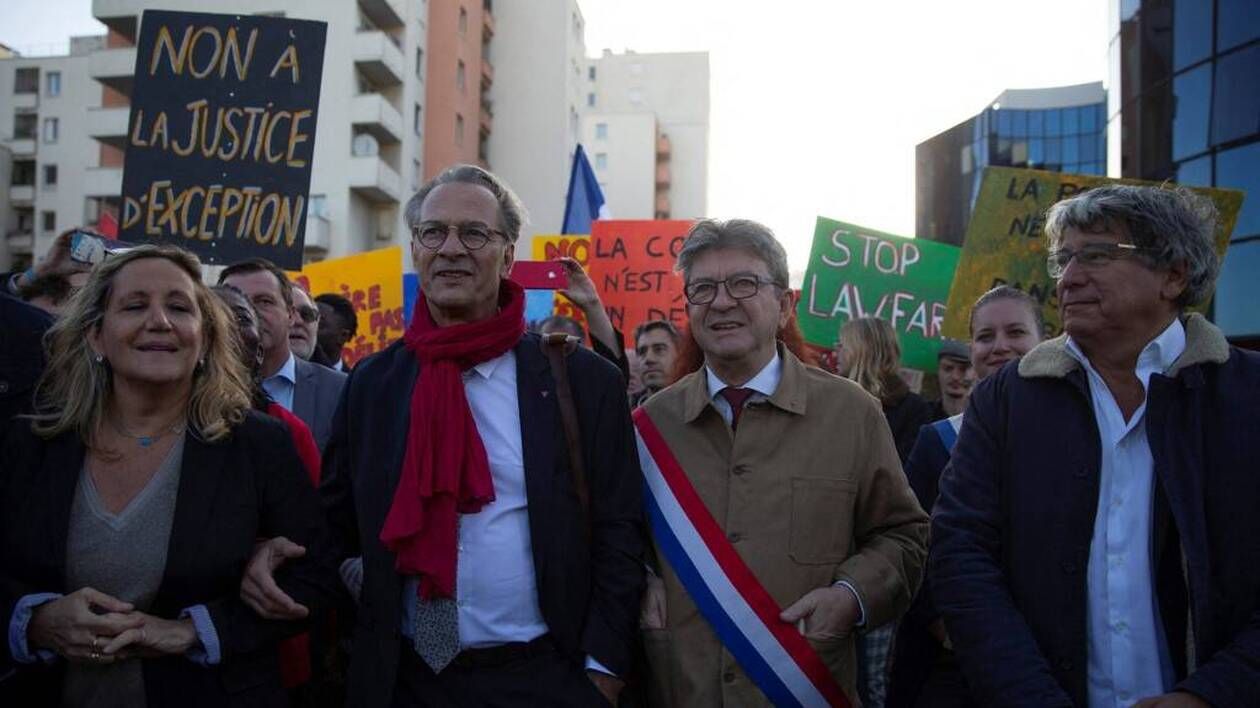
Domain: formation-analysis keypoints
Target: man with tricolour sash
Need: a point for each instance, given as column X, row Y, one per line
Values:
column 781, row 520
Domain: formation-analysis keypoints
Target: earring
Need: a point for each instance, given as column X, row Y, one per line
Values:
column 99, row 358
column 201, row 364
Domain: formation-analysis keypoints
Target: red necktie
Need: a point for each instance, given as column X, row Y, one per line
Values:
column 737, row 397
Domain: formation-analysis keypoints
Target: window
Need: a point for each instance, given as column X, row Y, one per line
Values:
column 1071, row 149
column 460, row 77
column 590, row 100
column 601, row 131
column 1192, row 32
column 1237, row 22
column 601, row 160
column 415, row 119
column 463, row 21
column 459, row 129
column 53, row 87
column 635, row 95
column 1005, row 128
column 1036, row 124
column 420, row 63
column 1019, row 123
column 1054, row 122
column 1192, row 96
column 590, row 73
column 1071, row 121
column 1236, row 169
column 23, row 173
column 1235, row 303
column 318, row 205
column 50, row 175
column 417, row 176
column 1089, row 119
column 51, row 129
column 49, row 219
column 26, row 80
column 25, row 126
column 1054, row 151
column 1236, row 113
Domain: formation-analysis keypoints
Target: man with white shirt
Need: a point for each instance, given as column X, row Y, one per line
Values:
column 491, row 573
column 309, row 390
column 1096, row 535
column 781, row 518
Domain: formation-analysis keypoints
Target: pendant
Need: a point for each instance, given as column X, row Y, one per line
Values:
column 145, row 440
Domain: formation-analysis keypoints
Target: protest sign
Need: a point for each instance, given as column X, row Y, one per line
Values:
column 373, row 283
column 859, row 272
column 553, row 247
column 222, row 133
column 632, row 265
column 1006, row 243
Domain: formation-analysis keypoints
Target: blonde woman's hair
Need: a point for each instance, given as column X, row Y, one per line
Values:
column 73, row 392
column 870, row 345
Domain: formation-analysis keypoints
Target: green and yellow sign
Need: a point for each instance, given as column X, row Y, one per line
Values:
column 1006, row 244
column 859, row 272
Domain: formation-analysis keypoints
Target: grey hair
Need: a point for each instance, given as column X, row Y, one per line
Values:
column 742, row 234
column 1174, row 224
column 512, row 214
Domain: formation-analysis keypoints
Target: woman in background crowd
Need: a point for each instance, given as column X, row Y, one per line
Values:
column 131, row 503
column 868, row 353
column 1005, row 324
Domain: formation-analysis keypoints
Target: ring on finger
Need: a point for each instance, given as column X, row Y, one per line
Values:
column 96, row 644
column 95, row 655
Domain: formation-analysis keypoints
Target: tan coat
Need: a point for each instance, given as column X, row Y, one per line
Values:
column 809, row 491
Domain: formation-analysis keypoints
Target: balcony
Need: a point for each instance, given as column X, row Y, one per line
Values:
column 318, row 240
column 487, row 23
column 487, row 74
column 371, row 113
column 122, row 16
column 21, row 146
column 25, row 101
column 662, row 176
column 21, row 243
column 109, row 125
column 376, row 56
column 386, row 14
column 487, row 118
column 374, row 180
column 102, row 182
column 22, row 194
column 115, row 68
column 662, row 147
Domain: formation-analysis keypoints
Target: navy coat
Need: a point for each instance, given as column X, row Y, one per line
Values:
column 1015, row 517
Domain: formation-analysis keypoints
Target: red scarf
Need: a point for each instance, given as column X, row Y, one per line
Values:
column 445, row 471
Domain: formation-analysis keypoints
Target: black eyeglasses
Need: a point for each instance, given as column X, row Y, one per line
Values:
column 308, row 314
column 432, row 234
column 739, row 287
column 1091, row 255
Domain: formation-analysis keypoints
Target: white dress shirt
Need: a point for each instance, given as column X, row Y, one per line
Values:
column 281, row 384
column 495, row 587
column 1127, row 650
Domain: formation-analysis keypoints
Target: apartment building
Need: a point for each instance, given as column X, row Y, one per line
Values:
column 646, row 127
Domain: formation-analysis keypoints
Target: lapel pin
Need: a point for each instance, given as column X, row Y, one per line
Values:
column 544, row 393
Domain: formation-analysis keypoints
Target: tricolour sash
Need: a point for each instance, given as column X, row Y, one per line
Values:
column 741, row 612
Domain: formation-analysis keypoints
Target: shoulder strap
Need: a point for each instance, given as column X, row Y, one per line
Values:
column 557, row 346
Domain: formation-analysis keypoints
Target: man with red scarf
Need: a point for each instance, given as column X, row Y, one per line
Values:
column 484, row 579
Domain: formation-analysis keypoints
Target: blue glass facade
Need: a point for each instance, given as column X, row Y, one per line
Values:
column 949, row 166
column 1185, row 107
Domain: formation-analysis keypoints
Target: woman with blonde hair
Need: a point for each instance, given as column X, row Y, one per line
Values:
column 130, row 502
column 868, row 353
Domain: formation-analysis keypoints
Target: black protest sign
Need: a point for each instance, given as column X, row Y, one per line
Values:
column 222, row 134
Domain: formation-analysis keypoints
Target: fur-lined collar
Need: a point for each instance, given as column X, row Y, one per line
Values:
column 1204, row 345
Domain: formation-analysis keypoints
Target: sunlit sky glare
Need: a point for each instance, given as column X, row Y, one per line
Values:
column 815, row 107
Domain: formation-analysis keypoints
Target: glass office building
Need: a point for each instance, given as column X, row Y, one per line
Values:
column 1184, row 105
column 1061, row 129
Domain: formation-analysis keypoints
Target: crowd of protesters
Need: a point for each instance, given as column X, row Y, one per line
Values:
column 203, row 504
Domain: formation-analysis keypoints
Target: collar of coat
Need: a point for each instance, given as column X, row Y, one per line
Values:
column 789, row 396
column 1204, row 345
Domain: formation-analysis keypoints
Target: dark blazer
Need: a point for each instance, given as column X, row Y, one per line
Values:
column 22, row 329
column 1014, row 521
column 230, row 493
column 589, row 592
column 906, row 412
column 316, row 391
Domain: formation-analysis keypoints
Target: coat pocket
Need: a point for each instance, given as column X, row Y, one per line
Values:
column 822, row 520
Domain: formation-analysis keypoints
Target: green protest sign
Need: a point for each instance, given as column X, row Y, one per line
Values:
column 1006, row 241
column 858, row 272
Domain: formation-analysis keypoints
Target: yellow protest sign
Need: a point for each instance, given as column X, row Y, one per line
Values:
column 373, row 283
column 552, row 247
column 1006, row 244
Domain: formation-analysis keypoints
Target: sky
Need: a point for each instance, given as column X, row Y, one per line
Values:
column 815, row 106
